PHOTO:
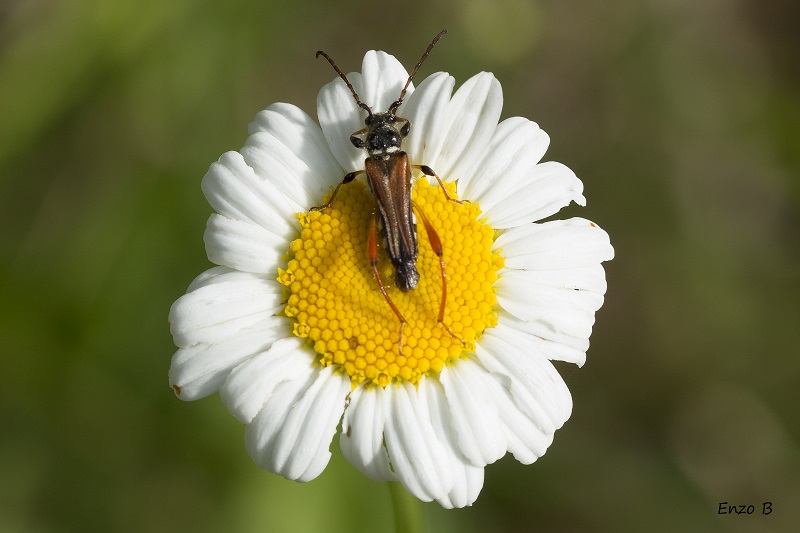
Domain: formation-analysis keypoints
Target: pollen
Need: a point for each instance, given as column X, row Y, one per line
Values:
column 338, row 307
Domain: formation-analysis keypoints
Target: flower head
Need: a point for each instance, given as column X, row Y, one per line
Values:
column 292, row 327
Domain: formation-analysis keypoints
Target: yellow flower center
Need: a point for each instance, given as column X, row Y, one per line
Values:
column 338, row 306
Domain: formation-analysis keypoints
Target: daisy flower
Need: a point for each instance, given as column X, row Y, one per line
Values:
column 292, row 329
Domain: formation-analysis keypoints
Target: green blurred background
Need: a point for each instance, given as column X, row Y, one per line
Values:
column 682, row 118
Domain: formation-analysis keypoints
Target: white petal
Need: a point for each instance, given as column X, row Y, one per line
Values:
column 543, row 191
column 219, row 274
column 563, row 309
column 199, row 370
column 361, row 440
column 474, row 415
column 525, row 439
column 590, row 278
column 214, row 312
column 243, row 245
column 536, row 387
column 467, row 478
column 302, row 447
column 383, row 78
column 252, row 383
column 234, row 190
column 277, row 164
column 262, row 432
column 453, row 147
column 291, row 435
column 419, row 460
column 555, row 345
column 516, row 147
column 340, row 117
column 553, row 245
column 532, row 399
column 426, row 107
column 526, row 442
column 303, row 137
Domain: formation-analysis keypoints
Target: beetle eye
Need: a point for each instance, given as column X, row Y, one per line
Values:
column 405, row 129
column 357, row 142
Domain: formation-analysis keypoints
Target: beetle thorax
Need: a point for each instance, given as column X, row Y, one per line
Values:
column 384, row 136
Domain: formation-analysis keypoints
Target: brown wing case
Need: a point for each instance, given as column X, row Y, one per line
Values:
column 390, row 181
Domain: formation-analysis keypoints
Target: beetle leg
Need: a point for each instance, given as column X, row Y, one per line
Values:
column 372, row 253
column 436, row 244
column 428, row 171
column 347, row 179
column 355, row 138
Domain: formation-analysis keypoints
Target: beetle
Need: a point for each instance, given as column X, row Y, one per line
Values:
column 388, row 172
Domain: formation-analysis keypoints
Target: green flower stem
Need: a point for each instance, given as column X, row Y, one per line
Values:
column 407, row 510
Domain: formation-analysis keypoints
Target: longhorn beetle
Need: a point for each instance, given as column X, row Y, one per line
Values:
column 389, row 177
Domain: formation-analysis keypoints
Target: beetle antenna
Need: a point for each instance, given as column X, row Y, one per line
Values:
column 395, row 105
column 361, row 104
